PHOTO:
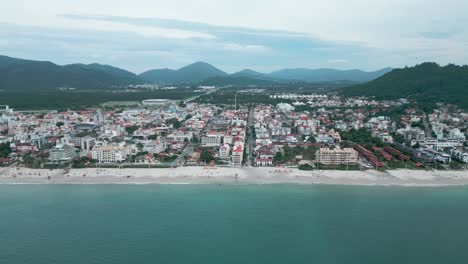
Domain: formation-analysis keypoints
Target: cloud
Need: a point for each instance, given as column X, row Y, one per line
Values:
column 258, row 49
column 338, row 61
column 148, row 34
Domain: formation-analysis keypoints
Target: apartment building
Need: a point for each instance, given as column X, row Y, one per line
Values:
column 337, row 156
column 110, row 154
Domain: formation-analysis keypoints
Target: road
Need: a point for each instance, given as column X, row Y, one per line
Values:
column 250, row 139
column 207, row 93
column 181, row 159
column 427, row 126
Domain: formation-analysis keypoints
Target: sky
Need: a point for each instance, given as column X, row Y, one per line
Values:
column 263, row 35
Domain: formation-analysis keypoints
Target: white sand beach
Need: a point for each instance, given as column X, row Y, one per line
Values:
column 222, row 175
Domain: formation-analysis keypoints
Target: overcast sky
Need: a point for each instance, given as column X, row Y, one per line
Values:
column 262, row 35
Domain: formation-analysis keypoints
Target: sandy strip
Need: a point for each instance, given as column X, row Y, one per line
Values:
column 215, row 175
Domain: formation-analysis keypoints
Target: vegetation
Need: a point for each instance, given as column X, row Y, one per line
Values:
column 426, row 83
column 131, row 129
column 18, row 74
column 174, row 122
column 5, row 150
column 78, row 99
column 361, row 136
column 206, row 156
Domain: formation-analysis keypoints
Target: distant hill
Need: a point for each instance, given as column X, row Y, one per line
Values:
column 114, row 71
column 327, row 75
column 237, row 80
column 250, row 74
column 202, row 72
column 19, row 74
column 426, row 82
column 192, row 73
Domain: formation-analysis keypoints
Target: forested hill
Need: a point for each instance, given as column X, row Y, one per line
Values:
column 426, row 83
column 19, row 74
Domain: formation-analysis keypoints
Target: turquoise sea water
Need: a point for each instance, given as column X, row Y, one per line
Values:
column 232, row 224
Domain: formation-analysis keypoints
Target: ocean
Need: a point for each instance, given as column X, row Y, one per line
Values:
column 232, row 224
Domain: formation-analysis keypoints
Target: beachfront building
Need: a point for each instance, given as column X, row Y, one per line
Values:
column 224, row 152
column 110, row 154
column 62, row 153
column 237, row 155
column 337, row 156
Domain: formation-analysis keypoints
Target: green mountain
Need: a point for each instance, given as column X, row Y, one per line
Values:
column 114, row 71
column 426, row 82
column 237, row 80
column 250, row 74
column 192, row 73
column 327, row 75
column 19, row 74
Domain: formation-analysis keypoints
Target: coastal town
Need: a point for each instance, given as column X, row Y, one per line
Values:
column 302, row 131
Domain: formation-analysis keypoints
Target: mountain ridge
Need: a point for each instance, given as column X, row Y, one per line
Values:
column 48, row 75
column 427, row 82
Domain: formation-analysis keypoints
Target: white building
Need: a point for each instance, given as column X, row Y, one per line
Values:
column 460, row 155
column 87, row 143
column 211, row 141
column 456, row 134
column 237, row 155
column 110, row 154
column 180, row 136
column 224, row 152
column 284, row 107
column 62, row 152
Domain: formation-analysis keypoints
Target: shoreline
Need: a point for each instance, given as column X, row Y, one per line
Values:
column 220, row 175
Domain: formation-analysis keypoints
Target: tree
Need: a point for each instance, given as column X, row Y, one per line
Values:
column 5, row 150
column 206, row 156
column 59, row 124
column 131, row 129
column 174, row 122
column 139, row 145
column 278, row 158
column 311, row 139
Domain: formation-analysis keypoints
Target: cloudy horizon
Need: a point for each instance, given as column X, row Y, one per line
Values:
column 234, row 35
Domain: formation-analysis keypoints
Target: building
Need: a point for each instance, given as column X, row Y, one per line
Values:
column 224, row 152
column 285, row 107
column 459, row 155
column 237, row 155
column 87, row 143
column 61, row 153
column 180, row 136
column 110, row 154
column 211, row 141
column 263, row 162
column 456, row 134
column 412, row 133
column 337, row 156
column 438, row 144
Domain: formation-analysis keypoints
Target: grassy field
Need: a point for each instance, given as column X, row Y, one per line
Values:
column 23, row 100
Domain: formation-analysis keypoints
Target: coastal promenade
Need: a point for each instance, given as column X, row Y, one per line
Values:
column 216, row 175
